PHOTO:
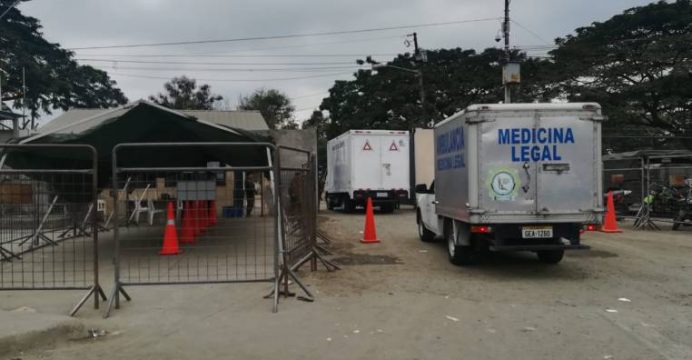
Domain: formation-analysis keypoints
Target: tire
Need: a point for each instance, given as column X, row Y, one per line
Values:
column 458, row 255
column 424, row 234
column 330, row 202
column 349, row 205
column 387, row 208
column 678, row 220
column 550, row 256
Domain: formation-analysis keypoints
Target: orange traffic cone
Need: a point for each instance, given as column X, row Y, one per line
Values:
column 610, row 224
column 187, row 233
column 203, row 214
column 170, row 235
column 194, row 216
column 369, row 234
column 212, row 212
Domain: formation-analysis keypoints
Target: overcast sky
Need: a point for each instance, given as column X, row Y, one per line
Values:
column 84, row 23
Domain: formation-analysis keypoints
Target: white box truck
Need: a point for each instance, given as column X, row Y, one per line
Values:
column 364, row 164
column 514, row 177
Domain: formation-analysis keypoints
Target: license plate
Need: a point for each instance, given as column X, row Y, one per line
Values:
column 382, row 194
column 537, row 232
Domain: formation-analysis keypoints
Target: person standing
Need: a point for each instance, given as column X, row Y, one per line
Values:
column 250, row 193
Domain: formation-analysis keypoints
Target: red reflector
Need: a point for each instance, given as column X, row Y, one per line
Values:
column 481, row 229
column 590, row 227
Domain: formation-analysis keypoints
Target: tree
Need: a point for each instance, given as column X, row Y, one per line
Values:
column 53, row 79
column 182, row 93
column 274, row 106
column 453, row 79
column 638, row 65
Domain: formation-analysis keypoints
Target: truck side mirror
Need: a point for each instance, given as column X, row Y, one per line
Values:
column 421, row 188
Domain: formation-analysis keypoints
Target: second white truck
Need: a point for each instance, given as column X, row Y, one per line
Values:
column 364, row 164
column 515, row 177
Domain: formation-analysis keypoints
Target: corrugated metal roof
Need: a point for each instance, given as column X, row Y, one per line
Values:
column 69, row 121
column 246, row 120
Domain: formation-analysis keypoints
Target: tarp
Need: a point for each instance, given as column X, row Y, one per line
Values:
column 142, row 123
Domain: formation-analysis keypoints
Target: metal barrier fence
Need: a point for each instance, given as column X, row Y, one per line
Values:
column 49, row 219
column 193, row 224
column 641, row 176
column 298, row 197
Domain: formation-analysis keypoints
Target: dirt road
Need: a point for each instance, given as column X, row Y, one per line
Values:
column 630, row 297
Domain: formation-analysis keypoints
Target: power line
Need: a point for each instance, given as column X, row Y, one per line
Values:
column 311, row 69
column 246, row 55
column 273, row 37
column 138, row 76
column 9, row 8
column 531, row 32
column 214, row 63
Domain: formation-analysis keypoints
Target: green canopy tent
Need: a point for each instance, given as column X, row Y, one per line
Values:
column 140, row 122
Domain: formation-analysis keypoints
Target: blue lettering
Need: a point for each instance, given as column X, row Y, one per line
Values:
column 569, row 136
column 515, row 136
column 546, row 154
column 556, row 157
column 524, row 153
column 558, row 136
column 525, row 136
column 503, row 136
column 535, row 153
column 540, row 135
column 515, row 158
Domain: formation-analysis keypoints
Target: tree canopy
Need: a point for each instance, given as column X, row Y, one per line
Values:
column 275, row 107
column 54, row 80
column 637, row 65
column 390, row 98
column 182, row 93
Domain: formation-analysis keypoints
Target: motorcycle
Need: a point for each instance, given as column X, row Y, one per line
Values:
column 684, row 199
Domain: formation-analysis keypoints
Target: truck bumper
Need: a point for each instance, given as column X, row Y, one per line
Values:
column 380, row 196
column 508, row 237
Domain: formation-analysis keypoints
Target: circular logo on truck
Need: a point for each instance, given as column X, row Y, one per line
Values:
column 503, row 184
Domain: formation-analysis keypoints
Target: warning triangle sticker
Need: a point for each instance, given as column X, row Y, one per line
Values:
column 367, row 146
column 393, row 147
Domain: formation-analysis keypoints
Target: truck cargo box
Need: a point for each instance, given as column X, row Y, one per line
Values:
column 368, row 163
column 520, row 163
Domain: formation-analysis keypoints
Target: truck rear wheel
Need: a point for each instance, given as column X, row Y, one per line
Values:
column 424, row 234
column 458, row 254
column 349, row 205
column 387, row 208
column 550, row 256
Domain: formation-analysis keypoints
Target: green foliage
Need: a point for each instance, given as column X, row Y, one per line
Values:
column 53, row 79
column 390, row 98
column 182, row 93
column 274, row 106
column 638, row 65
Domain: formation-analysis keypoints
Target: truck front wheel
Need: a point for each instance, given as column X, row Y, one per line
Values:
column 458, row 254
column 424, row 234
column 550, row 256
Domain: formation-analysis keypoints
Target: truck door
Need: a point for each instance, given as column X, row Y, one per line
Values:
column 566, row 179
column 395, row 158
column 507, row 176
column 366, row 166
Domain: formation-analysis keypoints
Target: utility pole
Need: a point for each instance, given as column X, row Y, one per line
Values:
column 505, row 30
column 418, row 56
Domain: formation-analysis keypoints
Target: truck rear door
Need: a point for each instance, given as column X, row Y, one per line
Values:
column 507, row 176
column 566, row 179
column 366, row 170
column 395, row 162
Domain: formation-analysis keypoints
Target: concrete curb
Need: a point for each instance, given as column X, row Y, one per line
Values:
column 25, row 330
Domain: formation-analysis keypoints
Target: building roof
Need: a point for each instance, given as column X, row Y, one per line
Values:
column 78, row 120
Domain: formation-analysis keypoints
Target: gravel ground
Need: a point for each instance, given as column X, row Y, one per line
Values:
column 630, row 297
